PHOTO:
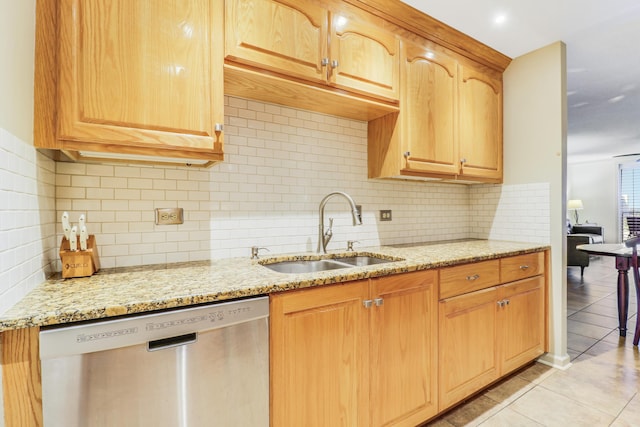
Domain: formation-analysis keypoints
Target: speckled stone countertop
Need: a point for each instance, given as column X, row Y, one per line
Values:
column 114, row 292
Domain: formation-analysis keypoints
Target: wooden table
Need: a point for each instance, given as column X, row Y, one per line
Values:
column 623, row 263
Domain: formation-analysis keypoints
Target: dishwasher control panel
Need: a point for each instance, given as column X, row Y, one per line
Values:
column 136, row 329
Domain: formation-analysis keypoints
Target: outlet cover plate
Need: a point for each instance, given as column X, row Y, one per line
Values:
column 385, row 215
column 169, row 216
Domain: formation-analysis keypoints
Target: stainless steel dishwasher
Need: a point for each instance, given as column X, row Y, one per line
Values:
column 201, row 366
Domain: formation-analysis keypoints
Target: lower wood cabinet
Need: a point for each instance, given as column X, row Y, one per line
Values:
column 361, row 353
column 488, row 333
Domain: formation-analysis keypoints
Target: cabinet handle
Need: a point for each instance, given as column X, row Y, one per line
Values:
column 474, row 277
column 378, row 302
column 324, row 62
column 334, row 63
column 367, row 303
column 218, row 127
column 524, row 267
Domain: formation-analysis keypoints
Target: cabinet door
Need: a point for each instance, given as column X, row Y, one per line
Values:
column 480, row 123
column 319, row 356
column 284, row 36
column 404, row 349
column 429, row 110
column 468, row 357
column 139, row 74
column 521, row 318
column 364, row 57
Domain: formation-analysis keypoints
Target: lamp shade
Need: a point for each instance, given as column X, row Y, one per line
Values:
column 575, row 204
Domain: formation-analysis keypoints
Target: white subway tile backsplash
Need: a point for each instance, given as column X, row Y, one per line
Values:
column 279, row 163
column 27, row 214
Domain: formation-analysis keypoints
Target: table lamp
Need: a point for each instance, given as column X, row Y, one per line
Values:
column 576, row 205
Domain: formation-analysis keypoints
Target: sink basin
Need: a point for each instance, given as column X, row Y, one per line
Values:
column 316, row 265
column 306, row 266
column 362, row 260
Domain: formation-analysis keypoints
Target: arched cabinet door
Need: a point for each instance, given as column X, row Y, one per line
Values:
column 429, row 110
column 480, row 122
column 363, row 57
column 284, row 36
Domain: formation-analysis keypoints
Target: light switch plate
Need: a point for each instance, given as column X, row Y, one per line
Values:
column 169, row 216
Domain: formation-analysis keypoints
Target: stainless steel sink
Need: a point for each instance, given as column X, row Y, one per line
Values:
column 305, row 266
column 362, row 260
column 316, row 265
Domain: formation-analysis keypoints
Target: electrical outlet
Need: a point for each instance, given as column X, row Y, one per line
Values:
column 169, row 216
column 385, row 215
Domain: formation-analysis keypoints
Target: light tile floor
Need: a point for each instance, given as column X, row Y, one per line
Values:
column 602, row 386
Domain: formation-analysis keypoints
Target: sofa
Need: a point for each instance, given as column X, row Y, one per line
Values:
column 581, row 234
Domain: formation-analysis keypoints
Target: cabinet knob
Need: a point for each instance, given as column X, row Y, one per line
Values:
column 334, row 63
column 367, row 303
column 324, row 62
column 407, row 154
column 378, row 302
column 524, row 267
column 218, row 127
column 500, row 303
column 474, row 277
column 463, row 160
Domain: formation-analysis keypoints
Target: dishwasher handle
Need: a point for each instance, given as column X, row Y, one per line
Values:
column 171, row 342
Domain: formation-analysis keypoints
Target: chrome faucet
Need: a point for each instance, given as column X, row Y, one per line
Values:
column 325, row 236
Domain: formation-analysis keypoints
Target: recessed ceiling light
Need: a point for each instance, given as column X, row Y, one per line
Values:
column 500, row 19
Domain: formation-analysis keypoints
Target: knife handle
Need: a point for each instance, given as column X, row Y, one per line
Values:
column 73, row 239
column 83, row 238
column 66, row 226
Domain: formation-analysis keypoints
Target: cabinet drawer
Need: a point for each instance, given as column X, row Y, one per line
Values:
column 469, row 277
column 521, row 266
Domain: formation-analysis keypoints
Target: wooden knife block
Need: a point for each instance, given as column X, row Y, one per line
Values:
column 79, row 263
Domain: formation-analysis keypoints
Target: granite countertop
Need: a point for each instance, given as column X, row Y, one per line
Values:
column 120, row 291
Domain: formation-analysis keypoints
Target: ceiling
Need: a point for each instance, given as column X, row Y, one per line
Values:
column 603, row 59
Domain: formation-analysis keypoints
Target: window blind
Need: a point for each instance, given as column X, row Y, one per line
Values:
column 628, row 196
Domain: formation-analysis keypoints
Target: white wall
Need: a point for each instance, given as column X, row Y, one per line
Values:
column 21, row 251
column 535, row 121
column 596, row 184
column 518, row 212
column 27, row 190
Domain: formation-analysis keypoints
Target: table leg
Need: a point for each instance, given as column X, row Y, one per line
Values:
column 622, row 265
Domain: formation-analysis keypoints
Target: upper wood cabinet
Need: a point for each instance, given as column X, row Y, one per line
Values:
column 362, row 353
column 428, row 110
column 123, row 78
column 480, row 122
column 307, row 41
column 284, row 36
column 450, row 121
